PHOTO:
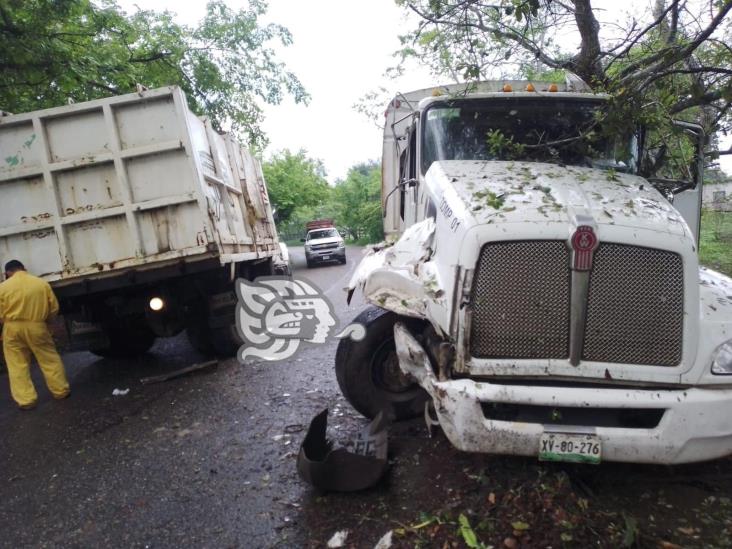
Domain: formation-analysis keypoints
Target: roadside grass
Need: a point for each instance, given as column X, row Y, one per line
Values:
column 715, row 247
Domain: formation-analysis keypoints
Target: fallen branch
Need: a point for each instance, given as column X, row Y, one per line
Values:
column 179, row 373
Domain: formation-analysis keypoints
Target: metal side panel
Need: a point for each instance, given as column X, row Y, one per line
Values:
column 125, row 180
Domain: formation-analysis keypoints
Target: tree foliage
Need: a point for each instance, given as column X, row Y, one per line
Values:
column 673, row 62
column 295, row 181
column 299, row 193
column 358, row 202
column 55, row 51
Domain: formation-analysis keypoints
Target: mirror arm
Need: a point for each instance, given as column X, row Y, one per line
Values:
column 400, row 186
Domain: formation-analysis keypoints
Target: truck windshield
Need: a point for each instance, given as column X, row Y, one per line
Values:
column 324, row 233
column 559, row 130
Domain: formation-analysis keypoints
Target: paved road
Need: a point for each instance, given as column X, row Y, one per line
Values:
column 209, row 460
column 198, row 460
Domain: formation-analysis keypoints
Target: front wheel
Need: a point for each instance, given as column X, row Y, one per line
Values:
column 368, row 371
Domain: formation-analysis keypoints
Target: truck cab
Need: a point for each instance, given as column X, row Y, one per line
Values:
column 541, row 290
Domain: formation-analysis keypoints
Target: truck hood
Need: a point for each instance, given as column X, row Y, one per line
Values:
column 520, row 192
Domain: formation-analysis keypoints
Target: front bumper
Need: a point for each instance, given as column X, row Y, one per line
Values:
column 695, row 426
column 330, row 254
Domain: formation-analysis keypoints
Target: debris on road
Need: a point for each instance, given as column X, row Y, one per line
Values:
column 178, row 373
column 338, row 469
column 385, row 541
column 120, row 392
column 338, row 539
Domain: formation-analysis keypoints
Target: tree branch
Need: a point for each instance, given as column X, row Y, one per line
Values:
column 670, row 56
column 704, row 99
column 153, row 57
column 587, row 60
column 640, row 35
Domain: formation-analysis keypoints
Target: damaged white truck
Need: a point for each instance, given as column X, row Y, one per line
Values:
column 542, row 288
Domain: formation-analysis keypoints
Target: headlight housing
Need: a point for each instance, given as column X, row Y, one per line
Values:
column 722, row 363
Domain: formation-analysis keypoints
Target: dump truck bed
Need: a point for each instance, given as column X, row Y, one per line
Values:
column 132, row 182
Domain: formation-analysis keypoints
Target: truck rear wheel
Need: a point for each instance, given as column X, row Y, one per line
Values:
column 198, row 331
column 213, row 331
column 368, row 370
column 128, row 337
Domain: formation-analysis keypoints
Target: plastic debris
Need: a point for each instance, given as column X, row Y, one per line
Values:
column 385, row 541
column 338, row 539
column 120, row 392
column 337, row 469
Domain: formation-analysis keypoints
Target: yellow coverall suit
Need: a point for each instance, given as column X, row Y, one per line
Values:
column 26, row 303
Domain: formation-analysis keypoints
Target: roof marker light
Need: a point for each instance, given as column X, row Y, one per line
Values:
column 507, row 88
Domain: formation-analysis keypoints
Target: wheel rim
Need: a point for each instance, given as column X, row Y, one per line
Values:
column 385, row 370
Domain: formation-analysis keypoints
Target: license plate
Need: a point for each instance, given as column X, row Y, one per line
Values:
column 326, row 257
column 576, row 448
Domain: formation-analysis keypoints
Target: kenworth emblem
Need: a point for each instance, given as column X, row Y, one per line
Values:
column 584, row 243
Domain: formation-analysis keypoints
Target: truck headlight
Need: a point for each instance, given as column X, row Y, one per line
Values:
column 341, row 244
column 722, row 363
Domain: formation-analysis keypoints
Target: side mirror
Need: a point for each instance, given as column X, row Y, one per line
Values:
column 302, row 240
column 674, row 165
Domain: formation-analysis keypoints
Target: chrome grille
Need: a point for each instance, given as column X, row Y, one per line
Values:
column 635, row 312
column 520, row 304
column 520, row 301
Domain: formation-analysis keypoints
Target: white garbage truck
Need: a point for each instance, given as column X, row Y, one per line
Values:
column 542, row 292
column 139, row 214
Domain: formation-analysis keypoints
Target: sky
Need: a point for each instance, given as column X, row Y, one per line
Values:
column 340, row 51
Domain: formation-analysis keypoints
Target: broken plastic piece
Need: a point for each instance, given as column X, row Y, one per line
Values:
column 338, row 469
column 338, row 539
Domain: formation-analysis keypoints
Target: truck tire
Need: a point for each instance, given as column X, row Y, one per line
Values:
column 225, row 340
column 213, row 335
column 368, row 370
column 128, row 337
column 198, row 331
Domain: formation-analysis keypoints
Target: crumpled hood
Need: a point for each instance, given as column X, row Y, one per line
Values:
column 520, row 192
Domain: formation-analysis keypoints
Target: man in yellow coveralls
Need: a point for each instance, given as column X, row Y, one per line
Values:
column 26, row 303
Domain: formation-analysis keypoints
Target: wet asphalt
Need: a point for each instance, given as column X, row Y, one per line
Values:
column 209, row 460
column 204, row 460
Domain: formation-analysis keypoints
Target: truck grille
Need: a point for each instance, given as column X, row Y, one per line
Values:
column 635, row 312
column 521, row 303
